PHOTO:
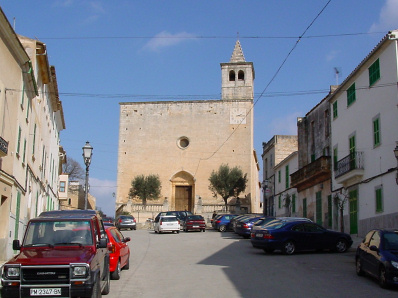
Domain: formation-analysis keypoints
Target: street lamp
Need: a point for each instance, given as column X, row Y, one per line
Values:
column 396, row 156
column 264, row 185
column 87, row 153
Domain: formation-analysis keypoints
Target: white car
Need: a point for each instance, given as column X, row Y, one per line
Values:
column 167, row 223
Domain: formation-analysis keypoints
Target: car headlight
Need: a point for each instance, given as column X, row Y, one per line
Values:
column 79, row 271
column 12, row 272
column 395, row 264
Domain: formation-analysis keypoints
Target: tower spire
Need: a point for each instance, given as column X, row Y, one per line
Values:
column 237, row 54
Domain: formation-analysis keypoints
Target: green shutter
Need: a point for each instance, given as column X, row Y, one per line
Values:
column 353, row 199
column 287, row 176
column 335, row 114
column 319, row 208
column 379, row 200
column 374, row 72
column 294, row 202
column 280, row 202
column 376, row 132
column 330, row 211
column 19, row 140
column 18, row 208
column 335, row 158
column 351, row 95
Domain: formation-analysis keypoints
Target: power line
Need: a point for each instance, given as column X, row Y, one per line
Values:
column 269, row 83
column 208, row 37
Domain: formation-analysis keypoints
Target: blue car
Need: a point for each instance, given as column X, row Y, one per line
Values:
column 377, row 256
column 290, row 236
column 222, row 222
column 243, row 227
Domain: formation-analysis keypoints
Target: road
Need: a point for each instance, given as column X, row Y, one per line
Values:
column 214, row 264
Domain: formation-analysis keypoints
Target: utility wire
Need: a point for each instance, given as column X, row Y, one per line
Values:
column 269, row 83
column 209, row 37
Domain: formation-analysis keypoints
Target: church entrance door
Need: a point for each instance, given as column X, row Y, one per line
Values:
column 183, row 198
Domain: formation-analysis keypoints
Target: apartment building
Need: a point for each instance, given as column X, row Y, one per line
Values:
column 364, row 123
column 31, row 118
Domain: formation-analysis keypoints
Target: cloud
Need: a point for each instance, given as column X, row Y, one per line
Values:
column 286, row 125
column 165, row 39
column 103, row 191
column 331, row 55
column 388, row 18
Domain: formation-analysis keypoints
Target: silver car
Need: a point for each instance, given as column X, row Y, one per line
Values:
column 167, row 223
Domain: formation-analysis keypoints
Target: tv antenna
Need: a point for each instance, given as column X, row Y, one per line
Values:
column 337, row 73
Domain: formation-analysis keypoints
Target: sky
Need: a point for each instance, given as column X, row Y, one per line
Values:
column 107, row 52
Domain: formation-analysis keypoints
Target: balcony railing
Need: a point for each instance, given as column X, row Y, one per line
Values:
column 3, row 147
column 311, row 174
column 353, row 161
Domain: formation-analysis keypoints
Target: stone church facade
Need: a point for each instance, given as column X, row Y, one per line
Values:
column 184, row 141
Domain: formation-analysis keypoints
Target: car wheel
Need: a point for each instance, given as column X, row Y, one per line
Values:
column 268, row 250
column 178, row 232
column 127, row 266
column 222, row 228
column 289, row 248
column 116, row 274
column 107, row 287
column 341, row 246
column 358, row 267
column 131, row 228
column 96, row 289
column 204, row 230
column 382, row 277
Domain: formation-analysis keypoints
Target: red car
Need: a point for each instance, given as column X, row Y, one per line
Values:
column 119, row 251
column 194, row 222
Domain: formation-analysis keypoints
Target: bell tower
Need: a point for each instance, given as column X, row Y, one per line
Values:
column 237, row 76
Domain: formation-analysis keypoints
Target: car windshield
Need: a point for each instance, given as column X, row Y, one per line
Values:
column 275, row 224
column 169, row 218
column 51, row 233
column 390, row 241
column 195, row 217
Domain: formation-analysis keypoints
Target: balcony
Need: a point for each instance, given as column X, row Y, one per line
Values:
column 3, row 147
column 312, row 174
column 349, row 170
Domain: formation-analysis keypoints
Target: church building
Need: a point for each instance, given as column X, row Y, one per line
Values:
column 184, row 141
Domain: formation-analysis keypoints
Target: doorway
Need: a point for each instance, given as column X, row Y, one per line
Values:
column 183, row 198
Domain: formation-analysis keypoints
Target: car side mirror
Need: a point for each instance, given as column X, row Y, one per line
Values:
column 103, row 243
column 373, row 248
column 126, row 239
column 16, row 245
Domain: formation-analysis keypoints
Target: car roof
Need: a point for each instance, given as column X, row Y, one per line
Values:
column 168, row 216
column 68, row 214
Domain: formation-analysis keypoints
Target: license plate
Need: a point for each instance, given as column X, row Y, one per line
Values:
column 45, row 292
column 259, row 235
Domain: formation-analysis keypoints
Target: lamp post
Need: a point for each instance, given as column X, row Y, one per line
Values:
column 264, row 185
column 87, row 153
column 396, row 156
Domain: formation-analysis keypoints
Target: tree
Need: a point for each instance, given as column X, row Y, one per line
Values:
column 73, row 169
column 145, row 188
column 227, row 182
column 340, row 199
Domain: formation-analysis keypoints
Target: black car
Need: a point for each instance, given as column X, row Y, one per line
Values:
column 377, row 255
column 291, row 235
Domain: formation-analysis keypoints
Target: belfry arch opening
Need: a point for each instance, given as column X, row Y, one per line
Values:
column 232, row 75
column 241, row 75
column 183, row 185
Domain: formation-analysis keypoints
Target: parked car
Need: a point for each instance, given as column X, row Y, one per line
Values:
column 119, row 251
column 290, row 236
column 222, row 223
column 244, row 226
column 63, row 254
column 167, row 223
column 377, row 256
column 194, row 222
column 108, row 220
column 181, row 215
column 126, row 222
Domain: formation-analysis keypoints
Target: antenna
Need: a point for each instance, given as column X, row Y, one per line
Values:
column 337, row 73
column 14, row 24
